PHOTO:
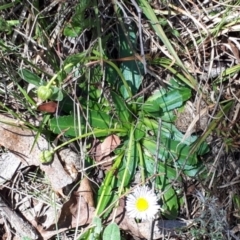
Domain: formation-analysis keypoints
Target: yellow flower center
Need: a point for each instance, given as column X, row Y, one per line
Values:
column 142, row 204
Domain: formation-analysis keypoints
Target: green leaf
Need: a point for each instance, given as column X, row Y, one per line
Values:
column 162, row 168
column 99, row 119
column 152, row 108
column 139, row 132
column 57, row 94
column 170, row 100
column 66, row 124
column 170, row 151
column 168, row 130
column 105, row 192
column 105, row 196
column 168, row 116
column 30, row 77
column 121, row 108
column 171, row 204
column 173, row 99
column 75, row 59
column 126, row 171
column 194, row 170
column 8, row 5
column 132, row 70
column 203, row 149
column 72, row 30
column 98, row 226
column 69, row 124
column 112, row 232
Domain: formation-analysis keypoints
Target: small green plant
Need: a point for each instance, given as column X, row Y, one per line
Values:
column 152, row 147
column 7, row 26
column 136, row 122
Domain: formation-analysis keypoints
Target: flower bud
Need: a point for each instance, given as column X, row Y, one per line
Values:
column 44, row 92
column 46, row 156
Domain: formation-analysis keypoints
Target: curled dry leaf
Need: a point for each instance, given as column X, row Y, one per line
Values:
column 19, row 140
column 109, row 144
column 49, row 107
column 101, row 151
column 76, row 212
column 85, row 191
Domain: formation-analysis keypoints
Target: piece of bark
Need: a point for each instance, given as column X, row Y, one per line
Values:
column 23, row 228
column 9, row 164
column 20, row 140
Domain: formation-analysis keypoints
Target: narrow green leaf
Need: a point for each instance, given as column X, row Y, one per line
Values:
column 8, row 5
column 121, row 108
column 132, row 70
column 171, row 205
column 139, row 132
column 127, row 169
column 152, row 108
column 112, row 232
column 105, row 193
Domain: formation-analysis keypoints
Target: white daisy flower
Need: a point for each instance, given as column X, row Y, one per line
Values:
column 142, row 204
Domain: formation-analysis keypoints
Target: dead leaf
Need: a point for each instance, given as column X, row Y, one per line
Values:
column 19, row 140
column 85, row 191
column 109, row 144
column 101, row 151
column 234, row 48
column 75, row 212
column 49, row 107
